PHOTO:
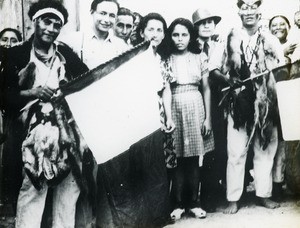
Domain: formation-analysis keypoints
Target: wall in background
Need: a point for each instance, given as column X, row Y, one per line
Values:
column 13, row 13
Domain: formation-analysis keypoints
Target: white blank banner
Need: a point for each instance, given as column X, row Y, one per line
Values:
column 288, row 93
column 120, row 109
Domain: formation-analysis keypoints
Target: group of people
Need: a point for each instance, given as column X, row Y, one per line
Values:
column 215, row 108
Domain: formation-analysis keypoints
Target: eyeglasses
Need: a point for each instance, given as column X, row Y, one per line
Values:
column 249, row 8
column 57, row 25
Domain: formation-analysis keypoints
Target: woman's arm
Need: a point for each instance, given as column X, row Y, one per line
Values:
column 206, row 130
column 167, row 102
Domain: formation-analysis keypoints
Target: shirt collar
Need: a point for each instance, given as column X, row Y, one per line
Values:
column 91, row 35
column 56, row 52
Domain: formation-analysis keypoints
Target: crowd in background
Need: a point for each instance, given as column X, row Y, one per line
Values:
column 221, row 139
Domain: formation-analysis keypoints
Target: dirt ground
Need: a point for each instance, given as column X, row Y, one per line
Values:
column 249, row 216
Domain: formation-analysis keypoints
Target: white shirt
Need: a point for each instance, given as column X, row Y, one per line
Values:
column 92, row 50
column 48, row 75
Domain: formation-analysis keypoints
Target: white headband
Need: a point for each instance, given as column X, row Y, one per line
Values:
column 49, row 10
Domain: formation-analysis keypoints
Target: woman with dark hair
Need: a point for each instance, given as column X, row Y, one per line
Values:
column 169, row 45
column 280, row 26
column 12, row 168
column 153, row 28
column 10, row 37
column 191, row 114
column 280, row 21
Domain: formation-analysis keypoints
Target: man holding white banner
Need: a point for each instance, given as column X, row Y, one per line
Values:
column 94, row 46
column 53, row 149
column 119, row 115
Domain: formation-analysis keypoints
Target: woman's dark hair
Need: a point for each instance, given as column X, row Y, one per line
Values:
column 283, row 17
column 142, row 25
column 96, row 2
column 169, row 46
column 55, row 4
column 18, row 34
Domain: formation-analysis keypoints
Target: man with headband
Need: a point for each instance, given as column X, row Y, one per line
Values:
column 53, row 149
column 251, row 106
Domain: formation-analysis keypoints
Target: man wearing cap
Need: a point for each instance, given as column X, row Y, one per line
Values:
column 252, row 105
column 214, row 162
column 52, row 146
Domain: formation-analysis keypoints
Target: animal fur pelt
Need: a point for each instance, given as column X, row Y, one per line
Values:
column 52, row 147
column 27, row 76
column 241, row 104
column 256, row 105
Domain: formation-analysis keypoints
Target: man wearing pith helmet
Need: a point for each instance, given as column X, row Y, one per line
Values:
column 51, row 144
column 213, row 169
column 251, row 106
column 205, row 23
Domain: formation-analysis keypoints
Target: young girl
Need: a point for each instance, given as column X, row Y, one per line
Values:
column 191, row 114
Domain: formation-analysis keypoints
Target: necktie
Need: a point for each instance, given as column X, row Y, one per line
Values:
column 205, row 48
